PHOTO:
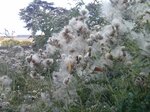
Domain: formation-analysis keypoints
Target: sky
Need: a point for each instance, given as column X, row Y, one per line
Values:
column 10, row 20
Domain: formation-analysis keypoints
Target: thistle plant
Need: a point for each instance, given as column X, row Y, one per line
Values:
column 104, row 68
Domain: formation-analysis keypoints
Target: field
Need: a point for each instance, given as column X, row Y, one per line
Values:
column 7, row 42
column 15, row 38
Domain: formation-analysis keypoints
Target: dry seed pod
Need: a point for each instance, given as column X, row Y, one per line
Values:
column 40, row 51
column 36, row 59
column 49, row 61
column 108, row 56
column 29, row 58
column 99, row 36
column 129, row 63
column 139, row 81
column 90, row 42
column 98, row 69
column 67, row 80
column 123, row 48
column 72, row 50
column 70, row 67
column 78, row 59
column 70, row 63
column 89, row 51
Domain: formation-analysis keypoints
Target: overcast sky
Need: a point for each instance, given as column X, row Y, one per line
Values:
column 10, row 20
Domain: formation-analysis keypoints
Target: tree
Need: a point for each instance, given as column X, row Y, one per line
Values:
column 95, row 16
column 43, row 16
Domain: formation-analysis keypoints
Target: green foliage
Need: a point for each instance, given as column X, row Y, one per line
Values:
column 39, row 42
column 95, row 17
column 43, row 16
column 84, row 94
column 19, row 83
column 3, row 68
column 116, row 90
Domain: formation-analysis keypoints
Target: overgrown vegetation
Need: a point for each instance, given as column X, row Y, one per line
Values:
column 84, row 67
